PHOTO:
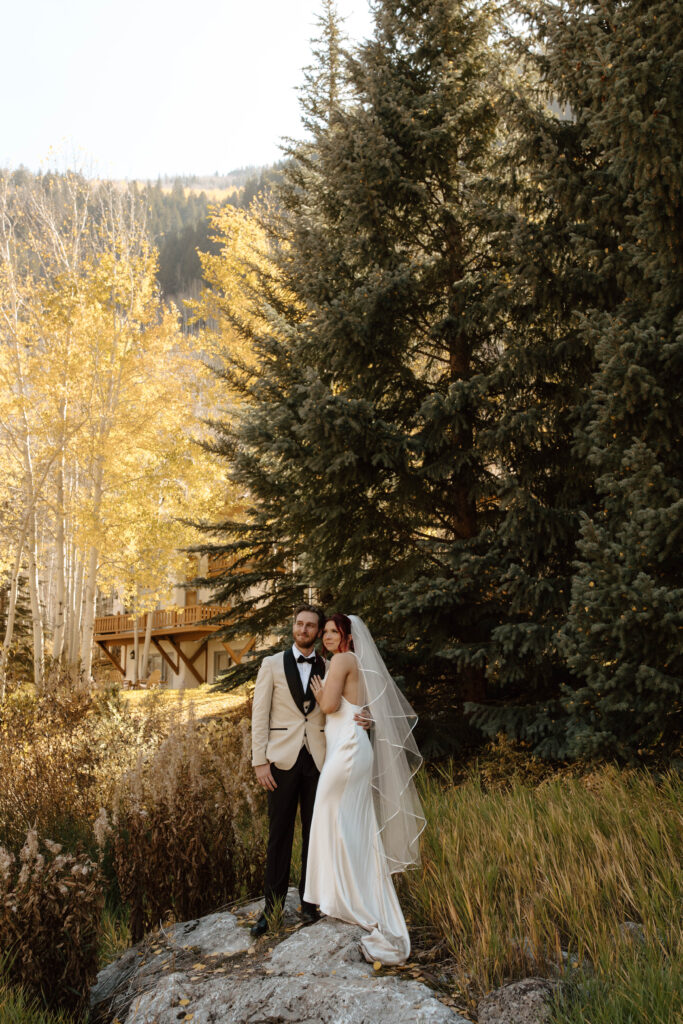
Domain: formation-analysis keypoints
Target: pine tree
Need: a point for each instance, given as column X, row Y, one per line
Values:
column 624, row 628
column 358, row 444
column 412, row 159
column 385, row 250
column 543, row 288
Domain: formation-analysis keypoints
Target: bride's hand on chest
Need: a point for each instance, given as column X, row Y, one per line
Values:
column 317, row 687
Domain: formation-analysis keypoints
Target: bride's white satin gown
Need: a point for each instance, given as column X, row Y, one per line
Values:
column 347, row 875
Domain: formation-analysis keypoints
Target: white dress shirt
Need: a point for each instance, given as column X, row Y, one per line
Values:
column 304, row 668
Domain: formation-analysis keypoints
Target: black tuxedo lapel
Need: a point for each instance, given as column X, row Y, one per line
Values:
column 316, row 670
column 294, row 680
column 319, row 667
column 304, row 701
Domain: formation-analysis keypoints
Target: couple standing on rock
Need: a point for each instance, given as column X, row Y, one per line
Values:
column 337, row 743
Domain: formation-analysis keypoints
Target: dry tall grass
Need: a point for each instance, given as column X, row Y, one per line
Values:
column 521, row 880
column 60, row 755
column 187, row 831
column 63, row 757
column 523, row 872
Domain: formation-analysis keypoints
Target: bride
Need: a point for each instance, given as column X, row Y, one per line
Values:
column 367, row 817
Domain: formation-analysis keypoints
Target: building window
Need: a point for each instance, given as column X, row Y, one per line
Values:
column 157, row 662
column 221, row 662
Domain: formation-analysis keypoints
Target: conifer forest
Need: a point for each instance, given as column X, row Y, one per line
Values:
column 453, row 399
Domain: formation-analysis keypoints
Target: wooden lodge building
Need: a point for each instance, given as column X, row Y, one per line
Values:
column 184, row 651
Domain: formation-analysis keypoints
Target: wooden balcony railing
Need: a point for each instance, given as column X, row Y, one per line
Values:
column 164, row 618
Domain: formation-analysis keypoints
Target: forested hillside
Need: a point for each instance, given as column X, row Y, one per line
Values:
column 179, row 220
column 177, row 217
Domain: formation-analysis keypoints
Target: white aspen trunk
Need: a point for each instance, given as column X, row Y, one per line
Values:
column 36, row 616
column 60, row 572
column 90, row 594
column 147, row 644
column 77, row 613
column 12, row 603
column 11, row 615
column 136, row 650
column 69, row 597
column 88, row 624
column 31, row 546
column 47, row 599
column 44, row 583
column 72, row 624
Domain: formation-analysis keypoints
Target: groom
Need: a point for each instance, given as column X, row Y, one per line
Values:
column 288, row 750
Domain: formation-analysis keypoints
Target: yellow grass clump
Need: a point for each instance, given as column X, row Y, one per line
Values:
column 524, row 880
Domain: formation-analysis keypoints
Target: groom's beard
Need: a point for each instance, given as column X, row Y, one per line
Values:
column 307, row 647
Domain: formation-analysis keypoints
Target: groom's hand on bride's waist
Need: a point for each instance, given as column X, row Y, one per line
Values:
column 264, row 776
column 364, row 719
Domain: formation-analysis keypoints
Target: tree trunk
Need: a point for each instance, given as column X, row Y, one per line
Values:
column 36, row 614
column 76, row 613
column 88, row 626
column 9, row 626
column 147, row 644
column 60, row 572
column 136, row 647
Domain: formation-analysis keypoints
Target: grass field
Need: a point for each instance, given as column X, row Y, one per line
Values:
column 205, row 702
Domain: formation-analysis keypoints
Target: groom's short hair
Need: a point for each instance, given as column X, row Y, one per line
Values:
column 314, row 611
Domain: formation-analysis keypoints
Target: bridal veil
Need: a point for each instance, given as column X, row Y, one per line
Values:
column 396, row 758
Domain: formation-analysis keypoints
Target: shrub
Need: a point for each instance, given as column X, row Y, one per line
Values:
column 59, row 756
column 50, row 917
column 187, row 832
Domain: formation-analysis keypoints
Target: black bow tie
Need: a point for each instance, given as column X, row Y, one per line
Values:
column 307, row 661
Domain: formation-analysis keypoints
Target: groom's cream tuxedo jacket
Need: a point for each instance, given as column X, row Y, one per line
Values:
column 283, row 718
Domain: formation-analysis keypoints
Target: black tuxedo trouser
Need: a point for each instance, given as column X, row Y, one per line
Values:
column 296, row 787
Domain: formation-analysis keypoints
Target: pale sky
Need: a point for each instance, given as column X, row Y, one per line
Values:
column 138, row 88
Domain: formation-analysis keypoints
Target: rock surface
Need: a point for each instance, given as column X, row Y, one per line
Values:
column 209, row 972
column 523, row 1002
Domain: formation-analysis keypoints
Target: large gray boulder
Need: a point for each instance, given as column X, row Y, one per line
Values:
column 209, row 972
column 522, row 1002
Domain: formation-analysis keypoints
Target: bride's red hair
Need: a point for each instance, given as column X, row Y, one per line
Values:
column 343, row 624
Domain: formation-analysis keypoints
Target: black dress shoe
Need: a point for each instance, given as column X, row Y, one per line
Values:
column 260, row 928
column 309, row 916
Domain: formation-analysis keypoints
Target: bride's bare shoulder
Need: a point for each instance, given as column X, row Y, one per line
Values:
column 346, row 658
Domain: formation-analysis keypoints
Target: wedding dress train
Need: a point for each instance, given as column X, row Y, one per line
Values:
column 348, row 875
